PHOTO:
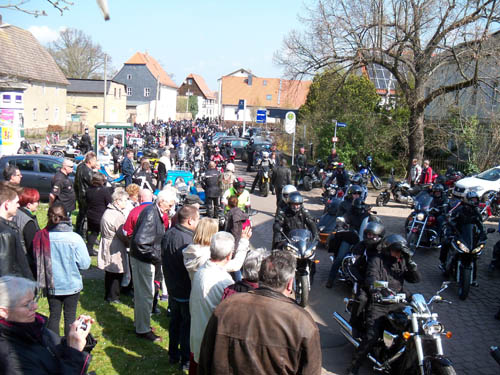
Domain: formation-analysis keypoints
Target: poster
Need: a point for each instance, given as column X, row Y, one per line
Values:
column 106, row 138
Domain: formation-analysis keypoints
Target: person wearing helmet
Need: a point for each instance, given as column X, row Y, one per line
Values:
column 354, row 191
column 467, row 213
column 301, row 164
column 440, row 203
column 210, row 184
column 295, row 216
column 394, row 265
column 282, row 176
column 285, row 193
column 217, row 157
column 263, row 164
column 250, row 148
column 238, row 190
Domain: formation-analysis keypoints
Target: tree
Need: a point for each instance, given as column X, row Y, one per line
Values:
column 193, row 105
column 78, row 56
column 20, row 5
column 431, row 47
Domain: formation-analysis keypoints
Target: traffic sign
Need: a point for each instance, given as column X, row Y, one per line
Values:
column 261, row 116
column 335, row 139
column 290, row 122
column 341, row 124
column 241, row 104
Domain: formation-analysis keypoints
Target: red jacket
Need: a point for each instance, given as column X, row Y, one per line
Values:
column 427, row 176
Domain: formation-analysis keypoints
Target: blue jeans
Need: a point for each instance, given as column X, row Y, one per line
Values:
column 180, row 322
column 343, row 250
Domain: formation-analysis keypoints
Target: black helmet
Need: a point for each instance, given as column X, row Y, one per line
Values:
column 358, row 206
column 354, row 189
column 472, row 198
column 395, row 242
column 437, row 188
column 357, row 179
column 294, row 199
column 373, row 233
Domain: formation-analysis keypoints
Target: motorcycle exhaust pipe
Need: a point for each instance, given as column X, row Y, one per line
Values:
column 343, row 323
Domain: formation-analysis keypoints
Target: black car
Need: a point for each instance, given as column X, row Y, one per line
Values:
column 37, row 170
column 237, row 143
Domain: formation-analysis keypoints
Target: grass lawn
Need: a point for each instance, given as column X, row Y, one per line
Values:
column 118, row 350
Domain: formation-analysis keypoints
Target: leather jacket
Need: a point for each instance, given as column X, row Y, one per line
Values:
column 145, row 244
column 281, row 176
column 289, row 220
column 13, row 260
column 211, row 184
column 83, row 179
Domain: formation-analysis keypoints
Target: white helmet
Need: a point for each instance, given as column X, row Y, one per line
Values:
column 230, row 167
column 265, row 154
column 287, row 190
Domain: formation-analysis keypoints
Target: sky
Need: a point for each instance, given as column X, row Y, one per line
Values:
column 211, row 38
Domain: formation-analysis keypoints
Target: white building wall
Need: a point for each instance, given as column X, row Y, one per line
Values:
column 167, row 103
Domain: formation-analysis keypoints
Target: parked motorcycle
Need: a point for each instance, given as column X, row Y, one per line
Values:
column 411, row 342
column 302, row 245
column 491, row 206
column 368, row 174
column 401, row 192
column 466, row 247
column 314, row 176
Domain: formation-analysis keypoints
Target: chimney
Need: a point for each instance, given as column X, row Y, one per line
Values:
column 250, row 79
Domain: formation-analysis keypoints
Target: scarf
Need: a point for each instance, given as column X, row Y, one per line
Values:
column 41, row 250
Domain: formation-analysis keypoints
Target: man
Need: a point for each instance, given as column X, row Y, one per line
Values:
column 301, row 163
column 208, row 287
column 394, row 265
column 145, row 253
column 249, row 148
column 62, row 188
column 415, row 172
column 145, row 199
column 12, row 251
column 333, row 157
column 128, row 167
column 427, row 176
column 12, row 174
column 238, row 190
column 210, row 184
column 281, row 176
column 116, row 153
column 83, row 179
column 85, row 142
column 278, row 336
column 179, row 283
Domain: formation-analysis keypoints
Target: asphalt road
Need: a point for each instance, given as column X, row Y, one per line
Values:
column 471, row 321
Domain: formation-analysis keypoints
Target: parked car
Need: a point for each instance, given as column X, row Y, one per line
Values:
column 237, row 143
column 37, row 170
column 218, row 135
column 483, row 184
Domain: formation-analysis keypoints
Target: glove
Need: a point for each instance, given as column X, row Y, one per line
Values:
column 411, row 265
column 406, row 253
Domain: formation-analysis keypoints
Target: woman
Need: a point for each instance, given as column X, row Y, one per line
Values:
column 113, row 246
column 164, row 166
column 28, row 346
column 27, row 222
column 98, row 199
column 133, row 197
column 198, row 253
column 143, row 176
column 60, row 254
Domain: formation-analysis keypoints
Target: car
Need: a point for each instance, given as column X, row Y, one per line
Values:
column 37, row 170
column 482, row 184
column 237, row 143
column 218, row 135
column 259, row 144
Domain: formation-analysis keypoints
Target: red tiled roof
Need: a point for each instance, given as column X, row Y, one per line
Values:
column 202, row 85
column 154, row 67
column 264, row 92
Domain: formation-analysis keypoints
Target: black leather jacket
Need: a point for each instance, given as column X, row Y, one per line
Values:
column 145, row 244
column 281, row 176
column 83, row 179
column 289, row 220
column 13, row 260
column 210, row 183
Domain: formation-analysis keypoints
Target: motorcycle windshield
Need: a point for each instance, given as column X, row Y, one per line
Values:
column 423, row 201
column 297, row 235
column 467, row 235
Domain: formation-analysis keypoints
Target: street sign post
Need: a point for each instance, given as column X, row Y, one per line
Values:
column 242, row 105
column 337, row 125
column 335, row 139
column 261, row 116
column 290, row 123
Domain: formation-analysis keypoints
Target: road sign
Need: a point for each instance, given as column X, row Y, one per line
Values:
column 290, row 122
column 241, row 104
column 335, row 139
column 341, row 124
column 261, row 116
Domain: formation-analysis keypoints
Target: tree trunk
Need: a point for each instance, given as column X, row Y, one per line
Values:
column 416, row 136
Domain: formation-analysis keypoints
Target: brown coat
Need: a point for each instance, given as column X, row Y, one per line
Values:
column 260, row 332
column 113, row 245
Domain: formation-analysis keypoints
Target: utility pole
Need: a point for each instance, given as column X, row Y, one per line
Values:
column 335, row 134
column 157, row 94
column 244, row 116
column 105, row 87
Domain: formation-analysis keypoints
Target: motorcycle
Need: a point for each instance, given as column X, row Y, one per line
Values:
column 451, row 178
column 264, row 180
column 327, row 222
column 368, row 174
column 302, row 245
column 411, row 341
column 491, row 206
column 400, row 190
column 314, row 176
column 465, row 249
column 62, row 151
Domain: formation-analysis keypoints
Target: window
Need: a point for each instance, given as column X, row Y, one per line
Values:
column 56, row 114
column 119, row 93
column 34, row 114
column 269, row 97
column 19, row 99
column 114, row 93
column 264, row 83
column 190, row 81
column 6, row 98
column 48, row 166
column 146, row 91
column 129, row 76
column 46, row 113
column 25, row 164
column 94, row 107
column 129, row 91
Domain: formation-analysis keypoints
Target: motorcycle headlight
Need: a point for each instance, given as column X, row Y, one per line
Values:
column 420, row 216
column 432, row 327
column 292, row 249
column 310, row 252
column 478, row 249
column 462, row 247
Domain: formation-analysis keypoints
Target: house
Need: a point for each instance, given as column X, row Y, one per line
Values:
column 194, row 85
column 151, row 93
column 273, row 94
column 85, row 102
column 32, row 87
column 383, row 80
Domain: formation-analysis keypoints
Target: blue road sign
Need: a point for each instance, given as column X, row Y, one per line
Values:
column 341, row 124
column 261, row 116
column 241, row 104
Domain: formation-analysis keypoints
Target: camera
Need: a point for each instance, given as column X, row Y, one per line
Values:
column 81, row 324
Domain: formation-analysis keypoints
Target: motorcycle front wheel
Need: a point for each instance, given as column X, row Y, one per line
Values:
column 302, row 290
column 264, row 189
column 464, row 283
column 376, row 183
column 439, row 369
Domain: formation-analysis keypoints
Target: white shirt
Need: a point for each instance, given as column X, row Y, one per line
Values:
column 207, row 289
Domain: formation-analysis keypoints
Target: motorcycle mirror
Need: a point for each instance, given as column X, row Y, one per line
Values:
column 379, row 284
column 490, row 230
